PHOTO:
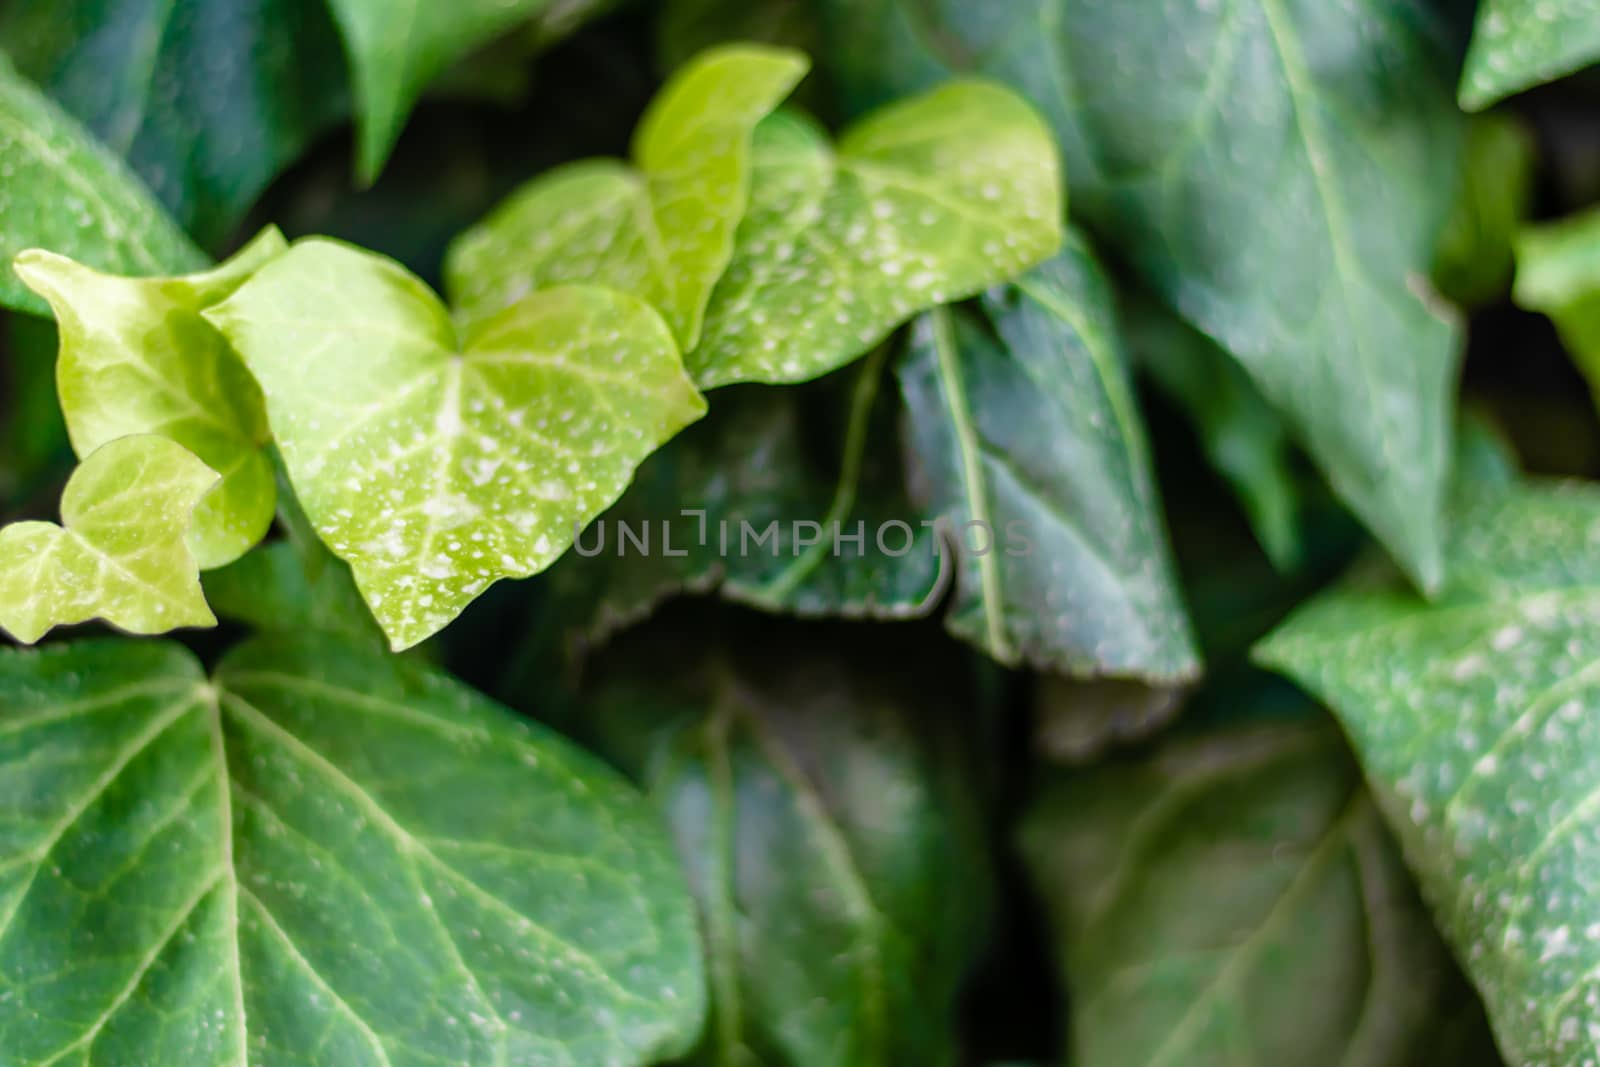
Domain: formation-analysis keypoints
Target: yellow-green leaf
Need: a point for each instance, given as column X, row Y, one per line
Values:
column 437, row 465
column 120, row 553
column 138, row 358
column 661, row 228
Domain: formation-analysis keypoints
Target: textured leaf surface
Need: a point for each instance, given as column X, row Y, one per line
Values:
column 1311, row 947
column 206, row 99
column 137, row 358
column 661, row 228
column 1558, row 273
column 756, row 464
column 1027, row 446
column 1475, row 720
column 436, row 466
column 1474, row 262
column 61, row 190
column 120, row 553
column 821, row 816
column 1276, row 170
column 928, row 200
column 1243, row 437
column 396, row 48
column 321, row 857
column 1522, row 43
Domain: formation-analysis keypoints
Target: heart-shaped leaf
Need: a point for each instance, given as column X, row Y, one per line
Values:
column 927, row 201
column 1028, row 449
column 1477, row 720
column 436, row 466
column 137, row 358
column 64, row 191
column 1522, row 43
column 121, row 553
column 321, row 857
column 662, row 228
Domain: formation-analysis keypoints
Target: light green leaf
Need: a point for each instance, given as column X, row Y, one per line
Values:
column 1476, row 721
column 435, row 465
column 1027, row 447
column 927, row 201
column 827, row 827
column 1474, row 261
column 1558, row 273
column 120, row 553
column 396, row 49
column 207, row 100
column 749, row 499
column 1276, row 171
column 1522, row 43
column 137, row 358
column 61, row 190
column 1242, row 435
column 662, row 228
column 320, row 857
column 1235, row 889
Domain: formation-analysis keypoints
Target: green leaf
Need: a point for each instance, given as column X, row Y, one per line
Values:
column 1474, row 718
column 61, row 190
column 928, row 200
column 1242, row 435
column 33, row 437
column 1474, row 262
column 827, row 832
column 735, row 494
column 1027, row 447
column 662, row 228
column 137, row 358
column 1276, row 172
column 207, row 100
column 1310, row 947
column 120, row 553
column 1522, row 43
column 320, row 857
column 395, row 51
column 436, row 465
column 1558, row 273
column 294, row 585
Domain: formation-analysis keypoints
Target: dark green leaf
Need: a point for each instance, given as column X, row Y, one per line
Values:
column 1277, row 172
column 1475, row 718
column 1520, row 43
column 1028, row 449
column 1233, row 897
column 321, row 857
column 62, row 191
column 33, row 434
column 832, row 849
column 1474, row 261
column 206, row 99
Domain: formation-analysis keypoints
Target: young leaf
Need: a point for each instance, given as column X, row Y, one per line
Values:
column 1310, row 947
column 827, row 832
column 436, row 466
column 120, row 553
column 1474, row 262
column 748, row 499
column 1028, row 448
column 1558, row 273
column 137, row 358
column 1242, row 435
column 322, row 857
column 1522, row 43
column 927, row 201
column 1276, row 172
column 207, row 100
column 662, row 228
column 63, row 191
column 1475, row 720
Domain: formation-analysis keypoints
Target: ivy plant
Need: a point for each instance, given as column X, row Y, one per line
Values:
column 798, row 533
